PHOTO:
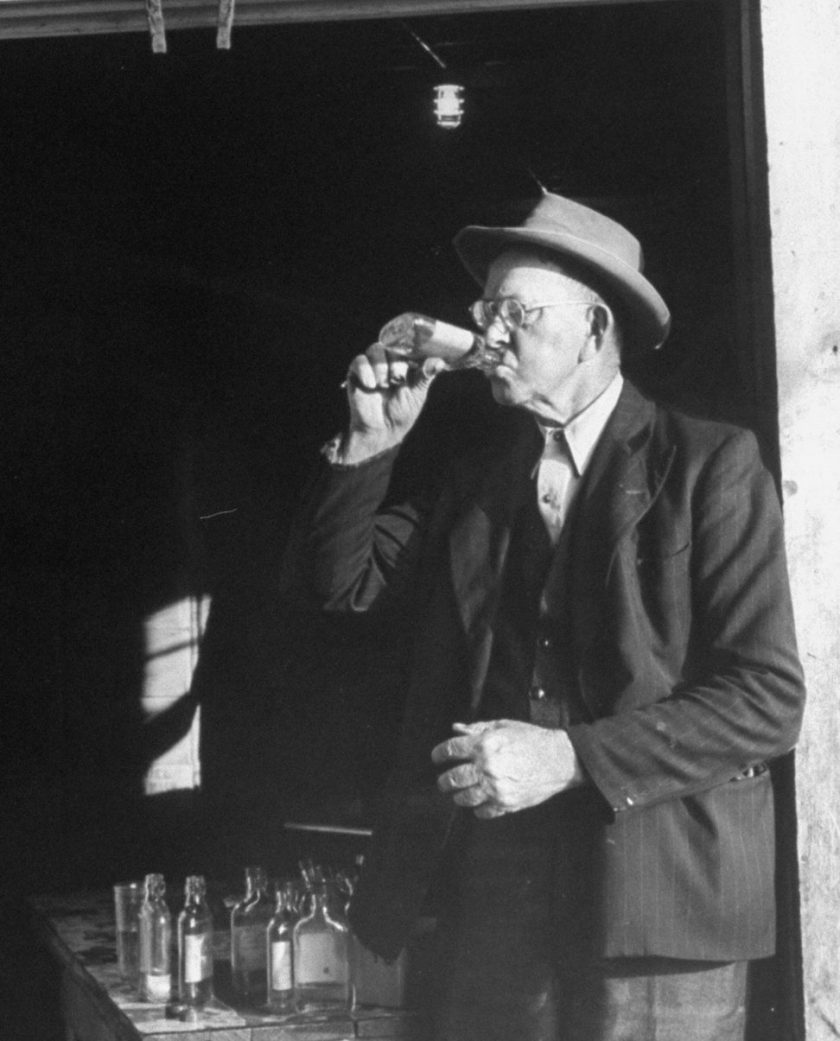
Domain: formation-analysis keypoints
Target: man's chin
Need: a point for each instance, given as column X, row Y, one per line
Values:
column 503, row 392
column 500, row 395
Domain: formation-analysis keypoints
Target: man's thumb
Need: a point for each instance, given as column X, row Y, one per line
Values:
column 430, row 368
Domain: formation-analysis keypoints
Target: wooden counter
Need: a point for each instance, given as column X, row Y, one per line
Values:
column 97, row 1005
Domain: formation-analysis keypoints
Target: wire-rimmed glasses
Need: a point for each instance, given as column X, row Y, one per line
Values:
column 511, row 312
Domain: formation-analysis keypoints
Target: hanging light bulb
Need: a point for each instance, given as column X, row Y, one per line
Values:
column 449, row 105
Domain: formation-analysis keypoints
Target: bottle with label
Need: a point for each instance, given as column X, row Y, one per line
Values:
column 248, row 924
column 155, row 923
column 320, row 954
column 195, row 946
column 280, row 964
column 417, row 337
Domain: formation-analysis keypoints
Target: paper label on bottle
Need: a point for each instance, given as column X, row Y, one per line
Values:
column 249, row 948
column 281, row 965
column 157, row 986
column 198, row 957
column 320, row 959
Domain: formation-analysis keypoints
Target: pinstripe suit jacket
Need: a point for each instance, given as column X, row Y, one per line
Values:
column 684, row 657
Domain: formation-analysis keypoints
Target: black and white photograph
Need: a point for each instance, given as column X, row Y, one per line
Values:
column 420, row 438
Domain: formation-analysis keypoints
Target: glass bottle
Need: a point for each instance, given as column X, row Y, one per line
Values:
column 155, row 942
column 248, row 923
column 195, row 946
column 320, row 954
column 279, row 961
column 416, row 337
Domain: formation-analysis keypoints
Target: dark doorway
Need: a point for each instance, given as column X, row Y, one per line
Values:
column 194, row 246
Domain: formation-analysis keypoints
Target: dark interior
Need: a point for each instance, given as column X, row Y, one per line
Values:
column 194, row 246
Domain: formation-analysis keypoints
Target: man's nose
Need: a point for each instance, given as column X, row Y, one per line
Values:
column 497, row 333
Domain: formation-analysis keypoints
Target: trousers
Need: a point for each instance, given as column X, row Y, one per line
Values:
column 516, row 962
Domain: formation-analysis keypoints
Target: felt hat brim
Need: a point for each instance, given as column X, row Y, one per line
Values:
column 596, row 244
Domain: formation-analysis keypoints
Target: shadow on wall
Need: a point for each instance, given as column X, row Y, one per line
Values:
column 136, row 419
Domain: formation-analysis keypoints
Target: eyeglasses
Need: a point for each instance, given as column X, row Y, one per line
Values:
column 512, row 313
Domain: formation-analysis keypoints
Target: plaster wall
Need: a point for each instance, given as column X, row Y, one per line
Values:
column 802, row 95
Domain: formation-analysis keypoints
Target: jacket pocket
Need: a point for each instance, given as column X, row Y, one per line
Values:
column 664, row 580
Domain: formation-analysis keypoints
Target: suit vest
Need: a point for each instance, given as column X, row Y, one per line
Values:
column 531, row 671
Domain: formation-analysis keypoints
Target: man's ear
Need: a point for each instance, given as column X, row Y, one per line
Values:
column 600, row 319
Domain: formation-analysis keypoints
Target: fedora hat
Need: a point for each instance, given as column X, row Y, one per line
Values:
column 598, row 245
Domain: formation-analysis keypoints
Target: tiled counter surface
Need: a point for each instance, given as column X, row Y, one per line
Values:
column 97, row 1005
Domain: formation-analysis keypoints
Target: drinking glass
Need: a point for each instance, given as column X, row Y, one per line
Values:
column 128, row 897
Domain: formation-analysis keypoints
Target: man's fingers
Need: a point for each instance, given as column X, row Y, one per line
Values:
column 430, row 368
column 470, row 797
column 398, row 372
column 475, row 728
column 488, row 810
column 378, row 360
column 360, row 373
column 464, row 776
column 453, row 748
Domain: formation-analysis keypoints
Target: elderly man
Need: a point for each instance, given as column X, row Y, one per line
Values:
column 603, row 664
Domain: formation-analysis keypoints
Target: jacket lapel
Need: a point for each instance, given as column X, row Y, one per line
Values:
column 616, row 492
column 625, row 476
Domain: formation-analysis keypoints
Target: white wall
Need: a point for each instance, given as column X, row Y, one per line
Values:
column 802, row 93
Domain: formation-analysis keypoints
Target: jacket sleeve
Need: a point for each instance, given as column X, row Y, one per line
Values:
column 745, row 705
column 353, row 551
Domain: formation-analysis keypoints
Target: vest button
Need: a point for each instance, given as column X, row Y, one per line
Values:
column 537, row 694
column 558, row 435
column 544, row 643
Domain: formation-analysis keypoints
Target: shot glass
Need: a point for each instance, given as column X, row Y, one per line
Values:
column 128, row 898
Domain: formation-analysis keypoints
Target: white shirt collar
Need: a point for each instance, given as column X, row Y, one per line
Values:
column 582, row 432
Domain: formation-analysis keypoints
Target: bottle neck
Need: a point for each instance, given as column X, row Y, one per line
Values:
column 256, row 883
column 326, row 903
column 194, row 891
column 155, row 888
column 319, row 900
column 292, row 903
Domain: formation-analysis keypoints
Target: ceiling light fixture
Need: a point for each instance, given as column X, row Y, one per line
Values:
column 448, row 97
column 449, row 105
